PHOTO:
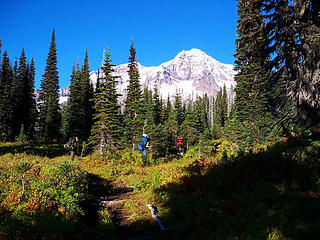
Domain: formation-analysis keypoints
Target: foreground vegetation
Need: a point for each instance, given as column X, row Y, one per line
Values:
column 218, row 192
column 225, row 194
column 39, row 196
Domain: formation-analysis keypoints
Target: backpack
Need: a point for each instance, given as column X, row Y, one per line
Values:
column 70, row 144
column 143, row 143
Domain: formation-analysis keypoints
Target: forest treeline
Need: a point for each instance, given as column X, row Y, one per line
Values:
column 277, row 92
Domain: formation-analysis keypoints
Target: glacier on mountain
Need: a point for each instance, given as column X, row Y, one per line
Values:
column 192, row 73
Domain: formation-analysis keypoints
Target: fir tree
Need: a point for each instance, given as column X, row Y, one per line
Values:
column 218, row 120
column 30, row 103
column 293, row 27
column 225, row 104
column 156, row 107
column 74, row 112
column 18, row 94
column 167, row 109
column 49, row 97
column 6, row 76
column 252, row 60
column 147, row 108
column 87, row 93
column 178, row 110
column 190, row 130
column 106, row 130
column 133, row 114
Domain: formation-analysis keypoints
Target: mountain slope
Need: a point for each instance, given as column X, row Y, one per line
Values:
column 191, row 72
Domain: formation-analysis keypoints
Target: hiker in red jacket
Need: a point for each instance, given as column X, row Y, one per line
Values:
column 180, row 146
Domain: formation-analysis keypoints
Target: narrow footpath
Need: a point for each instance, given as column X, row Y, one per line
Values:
column 105, row 194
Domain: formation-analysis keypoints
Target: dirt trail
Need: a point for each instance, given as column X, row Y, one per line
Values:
column 105, row 194
column 97, row 188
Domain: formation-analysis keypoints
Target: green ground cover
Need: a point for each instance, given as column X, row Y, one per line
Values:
column 215, row 192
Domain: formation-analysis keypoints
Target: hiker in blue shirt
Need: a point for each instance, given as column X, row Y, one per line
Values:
column 142, row 146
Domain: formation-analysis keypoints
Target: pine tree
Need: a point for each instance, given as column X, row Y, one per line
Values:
column 252, row 59
column 147, row 109
column 106, row 130
column 218, row 116
column 133, row 114
column 170, row 130
column 87, row 93
column 293, row 27
column 18, row 94
column 167, row 109
column 218, row 109
column 189, row 128
column 74, row 112
column 156, row 107
column 6, row 76
column 30, row 103
column 178, row 110
column 49, row 98
column 225, row 104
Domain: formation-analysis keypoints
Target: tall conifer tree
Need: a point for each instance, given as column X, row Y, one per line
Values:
column 87, row 93
column 293, row 27
column 30, row 103
column 106, row 132
column 49, row 97
column 18, row 94
column 156, row 107
column 178, row 110
column 73, row 122
column 252, row 61
column 6, row 76
column 133, row 114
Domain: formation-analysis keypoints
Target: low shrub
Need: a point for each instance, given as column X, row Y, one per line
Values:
column 39, row 194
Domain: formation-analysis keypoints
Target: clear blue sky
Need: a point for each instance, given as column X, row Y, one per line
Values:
column 160, row 30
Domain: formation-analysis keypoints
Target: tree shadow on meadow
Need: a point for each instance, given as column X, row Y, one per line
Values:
column 269, row 195
column 38, row 226
column 43, row 150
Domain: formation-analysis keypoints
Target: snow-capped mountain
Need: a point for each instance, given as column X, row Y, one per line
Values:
column 191, row 73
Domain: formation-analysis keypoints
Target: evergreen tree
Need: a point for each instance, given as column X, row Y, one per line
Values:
column 178, row 110
column 293, row 27
column 49, row 98
column 190, row 130
column 97, row 87
column 218, row 110
column 218, row 120
column 30, row 117
column 18, row 94
column 252, row 60
column 74, row 112
column 156, row 107
column 147, row 109
column 170, row 130
column 201, row 115
column 87, row 93
column 106, row 130
column 133, row 114
column 167, row 109
column 6, row 76
column 225, row 104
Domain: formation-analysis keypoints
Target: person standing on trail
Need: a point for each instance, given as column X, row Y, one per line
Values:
column 180, row 146
column 72, row 146
column 142, row 146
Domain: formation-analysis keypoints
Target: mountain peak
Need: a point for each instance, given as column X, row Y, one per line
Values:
column 191, row 52
column 194, row 51
column 192, row 73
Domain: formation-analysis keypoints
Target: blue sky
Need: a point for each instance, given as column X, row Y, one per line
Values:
column 160, row 30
